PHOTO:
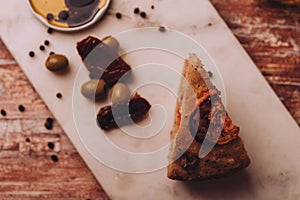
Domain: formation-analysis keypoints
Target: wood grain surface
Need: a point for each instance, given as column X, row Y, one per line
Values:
column 270, row 33
column 36, row 163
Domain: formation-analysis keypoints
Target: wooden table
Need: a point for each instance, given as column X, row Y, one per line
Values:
column 36, row 163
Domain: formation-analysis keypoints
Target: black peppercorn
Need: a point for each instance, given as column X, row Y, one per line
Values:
column 48, row 126
column 50, row 16
column 50, row 30
column 27, row 140
column 3, row 112
column 136, row 11
column 59, row 95
column 21, row 108
column 143, row 14
column 50, row 120
column 118, row 15
column 162, row 29
column 31, row 53
column 63, row 15
column 152, row 7
column 50, row 145
column 51, row 53
column 49, row 123
column 54, row 158
column 46, row 42
column 42, row 47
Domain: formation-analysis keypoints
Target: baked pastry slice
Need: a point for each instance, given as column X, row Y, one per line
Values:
column 205, row 143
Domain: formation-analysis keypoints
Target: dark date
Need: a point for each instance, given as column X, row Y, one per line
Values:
column 121, row 114
column 102, row 61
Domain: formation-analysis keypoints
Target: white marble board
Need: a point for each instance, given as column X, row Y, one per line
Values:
column 270, row 134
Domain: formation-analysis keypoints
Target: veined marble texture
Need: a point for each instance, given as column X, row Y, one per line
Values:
column 270, row 134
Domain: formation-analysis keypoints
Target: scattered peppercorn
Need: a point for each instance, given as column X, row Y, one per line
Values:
column 210, row 73
column 136, row 11
column 59, row 95
column 162, row 29
column 50, row 30
column 51, row 53
column 50, row 120
column 143, row 14
column 27, row 140
column 31, row 53
column 50, row 145
column 3, row 112
column 118, row 15
column 54, row 158
column 49, row 123
column 152, row 7
column 48, row 126
column 46, row 42
column 50, row 16
column 42, row 47
column 63, row 15
column 209, row 24
column 21, row 108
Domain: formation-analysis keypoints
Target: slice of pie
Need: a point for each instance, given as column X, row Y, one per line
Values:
column 205, row 142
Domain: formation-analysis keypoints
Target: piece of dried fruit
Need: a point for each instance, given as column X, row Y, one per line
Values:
column 120, row 114
column 102, row 61
column 212, row 122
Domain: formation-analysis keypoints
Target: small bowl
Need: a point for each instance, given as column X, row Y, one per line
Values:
column 99, row 13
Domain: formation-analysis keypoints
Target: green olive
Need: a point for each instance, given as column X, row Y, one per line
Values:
column 111, row 42
column 93, row 89
column 56, row 62
column 120, row 93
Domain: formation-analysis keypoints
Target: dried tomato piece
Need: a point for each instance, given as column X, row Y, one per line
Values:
column 121, row 114
column 102, row 61
column 199, row 121
column 209, row 119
